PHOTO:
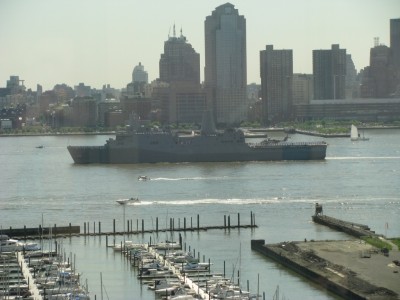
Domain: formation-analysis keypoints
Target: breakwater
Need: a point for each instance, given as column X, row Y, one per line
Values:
column 351, row 228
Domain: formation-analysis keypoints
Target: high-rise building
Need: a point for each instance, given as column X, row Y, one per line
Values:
column 179, row 62
column 395, row 54
column 139, row 74
column 276, row 70
column 182, row 99
column 352, row 83
column 225, row 64
column 395, row 41
column 302, row 88
column 329, row 70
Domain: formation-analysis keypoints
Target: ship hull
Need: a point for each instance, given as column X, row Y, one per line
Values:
column 134, row 155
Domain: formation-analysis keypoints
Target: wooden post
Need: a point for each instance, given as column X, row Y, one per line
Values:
column 238, row 220
column 156, row 224
column 229, row 222
column 224, row 269
column 198, row 222
column 251, row 219
column 142, row 226
column 106, row 240
column 70, row 230
column 225, row 221
column 184, row 223
column 84, row 228
column 55, row 230
column 114, row 226
column 99, row 228
column 25, row 231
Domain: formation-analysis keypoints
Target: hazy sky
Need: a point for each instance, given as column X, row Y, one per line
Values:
column 100, row 41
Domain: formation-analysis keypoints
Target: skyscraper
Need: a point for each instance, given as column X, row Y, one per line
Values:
column 395, row 54
column 179, row 62
column 395, row 41
column 276, row 70
column 329, row 70
column 225, row 63
column 182, row 100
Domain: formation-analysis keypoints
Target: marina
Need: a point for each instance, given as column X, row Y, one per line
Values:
column 38, row 275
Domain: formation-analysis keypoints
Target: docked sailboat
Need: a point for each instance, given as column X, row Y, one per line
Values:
column 355, row 136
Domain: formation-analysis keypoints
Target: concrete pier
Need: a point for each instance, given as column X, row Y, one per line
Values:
column 340, row 267
column 354, row 229
column 28, row 277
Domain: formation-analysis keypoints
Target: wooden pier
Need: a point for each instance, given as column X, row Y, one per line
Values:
column 95, row 229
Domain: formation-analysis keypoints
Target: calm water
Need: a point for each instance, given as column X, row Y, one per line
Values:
column 358, row 181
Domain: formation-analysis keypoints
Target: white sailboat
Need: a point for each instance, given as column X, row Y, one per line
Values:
column 355, row 136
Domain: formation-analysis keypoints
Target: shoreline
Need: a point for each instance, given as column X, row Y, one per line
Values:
column 257, row 132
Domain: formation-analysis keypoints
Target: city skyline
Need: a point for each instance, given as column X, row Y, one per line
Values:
column 100, row 42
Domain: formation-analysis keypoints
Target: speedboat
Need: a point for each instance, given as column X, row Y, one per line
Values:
column 143, row 178
column 128, row 201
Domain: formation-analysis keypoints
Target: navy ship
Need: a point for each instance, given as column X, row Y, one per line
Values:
column 140, row 145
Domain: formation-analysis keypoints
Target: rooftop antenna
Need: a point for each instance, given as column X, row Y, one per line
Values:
column 174, row 31
column 376, row 41
column 169, row 31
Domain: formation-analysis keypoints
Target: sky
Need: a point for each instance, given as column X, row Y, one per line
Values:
column 99, row 42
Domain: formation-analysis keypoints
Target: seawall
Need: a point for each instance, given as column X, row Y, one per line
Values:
column 305, row 259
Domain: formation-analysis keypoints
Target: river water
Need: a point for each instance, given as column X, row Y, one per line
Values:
column 358, row 181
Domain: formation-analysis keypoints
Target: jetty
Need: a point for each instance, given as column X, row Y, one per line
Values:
column 352, row 269
column 351, row 228
column 339, row 266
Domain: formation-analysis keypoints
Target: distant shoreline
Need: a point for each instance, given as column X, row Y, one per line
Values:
column 298, row 131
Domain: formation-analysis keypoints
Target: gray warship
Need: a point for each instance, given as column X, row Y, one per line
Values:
column 140, row 145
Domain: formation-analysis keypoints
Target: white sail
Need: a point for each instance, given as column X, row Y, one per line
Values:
column 355, row 136
column 354, row 133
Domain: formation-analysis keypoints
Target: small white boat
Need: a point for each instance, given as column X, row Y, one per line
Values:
column 143, row 178
column 128, row 201
column 12, row 245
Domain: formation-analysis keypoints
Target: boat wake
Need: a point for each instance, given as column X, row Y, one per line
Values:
column 187, row 178
column 361, row 157
column 272, row 200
